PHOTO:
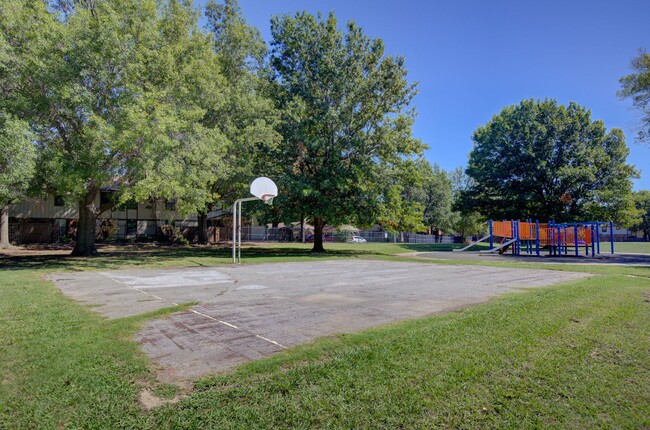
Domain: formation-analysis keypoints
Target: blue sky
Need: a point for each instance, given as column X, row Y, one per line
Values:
column 473, row 58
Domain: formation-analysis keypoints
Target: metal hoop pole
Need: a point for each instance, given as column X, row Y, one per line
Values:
column 234, row 230
column 236, row 227
column 239, row 240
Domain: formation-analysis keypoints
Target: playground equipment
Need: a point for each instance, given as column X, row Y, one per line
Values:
column 472, row 244
column 531, row 237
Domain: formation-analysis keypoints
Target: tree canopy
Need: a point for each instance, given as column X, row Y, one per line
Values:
column 642, row 204
column 344, row 116
column 545, row 161
column 247, row 118
column 637, row 87
column 133, row 95
column 465, row 218
column 402, row 195
column 117, row 92
column 430, row 188
column 17, row 156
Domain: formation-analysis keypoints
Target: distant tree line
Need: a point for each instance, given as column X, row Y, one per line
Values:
column 135, row 95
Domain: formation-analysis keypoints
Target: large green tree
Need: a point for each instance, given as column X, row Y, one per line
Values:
column 344, row 117
column 437, row 198
column 642, row 204
column 116, row 91
column 426, row 194
column 17, row 152
column 17, row 156
column 465, row 220
column 247, row 117
column 186, row 153
column 637, row 87
column 544, row 161
column 402, row 197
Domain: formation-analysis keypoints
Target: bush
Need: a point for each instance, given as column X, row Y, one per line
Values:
column 107, row 230
column 174, row 235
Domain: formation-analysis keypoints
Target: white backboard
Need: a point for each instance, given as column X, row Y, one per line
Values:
column 263, row 188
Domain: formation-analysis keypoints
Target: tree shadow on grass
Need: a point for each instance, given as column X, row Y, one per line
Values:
column 133, row 256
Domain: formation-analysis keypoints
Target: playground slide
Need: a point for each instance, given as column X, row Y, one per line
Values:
column 495, row 249
column 473, row 243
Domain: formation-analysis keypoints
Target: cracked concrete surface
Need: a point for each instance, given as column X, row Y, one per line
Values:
column 252, row 311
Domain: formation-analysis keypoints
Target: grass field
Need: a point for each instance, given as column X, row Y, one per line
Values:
column 571, row 356
column 638, row 247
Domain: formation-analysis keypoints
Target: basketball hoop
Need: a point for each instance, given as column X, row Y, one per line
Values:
column 262, row 188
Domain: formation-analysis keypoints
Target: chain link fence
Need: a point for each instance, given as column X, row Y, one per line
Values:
column 286, row 234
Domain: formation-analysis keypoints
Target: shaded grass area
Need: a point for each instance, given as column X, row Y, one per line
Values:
column 160, row 256
column 573, row 356
column 170, row 256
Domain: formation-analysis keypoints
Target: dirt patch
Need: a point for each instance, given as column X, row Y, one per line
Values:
column 36, row 250
column 149, row 401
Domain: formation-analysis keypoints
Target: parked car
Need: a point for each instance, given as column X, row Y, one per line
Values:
column 357, row 239
column 326, row 238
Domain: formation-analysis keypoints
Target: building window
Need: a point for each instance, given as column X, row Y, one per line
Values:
column 130, row 205
column 62, row 226
column 170, row 205
column 106, row 198
column 131, row 227
column 58, row 201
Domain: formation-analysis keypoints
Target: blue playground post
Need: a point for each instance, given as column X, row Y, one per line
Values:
column 565, row 244
column 593, row 243
column 537, row 237
column 575, row 237
column 597, row 239
column 559, row 242
column 611, row 235
column 518, row 242
column 490, row 231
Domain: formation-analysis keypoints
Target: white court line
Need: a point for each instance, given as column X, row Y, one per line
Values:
column 235, row 327
column 197, row 312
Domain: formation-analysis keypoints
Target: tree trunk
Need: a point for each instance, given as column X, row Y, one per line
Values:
column 302, row 228
column 85, row 244
column 4, row 227
column 203, row 228
column 318, row 235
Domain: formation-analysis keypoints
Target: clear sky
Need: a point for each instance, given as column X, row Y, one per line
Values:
column 473, row 58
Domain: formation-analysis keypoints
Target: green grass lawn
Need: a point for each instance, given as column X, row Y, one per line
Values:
column 570, row 356
column 637, row 247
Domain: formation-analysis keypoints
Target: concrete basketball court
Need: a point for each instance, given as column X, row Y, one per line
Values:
column 252, row 311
